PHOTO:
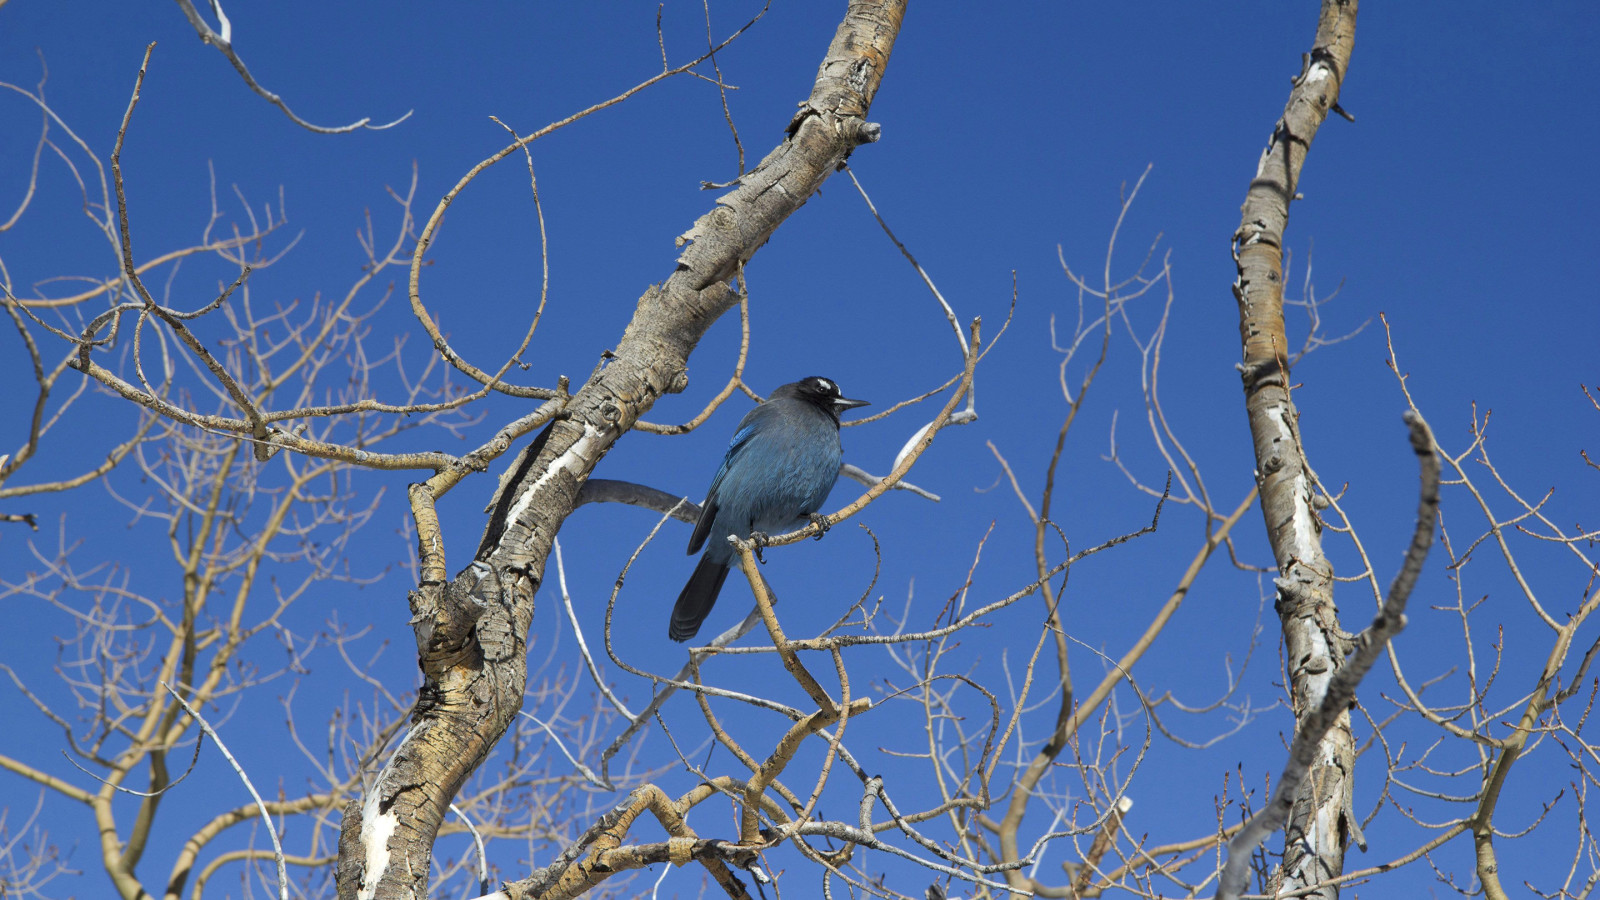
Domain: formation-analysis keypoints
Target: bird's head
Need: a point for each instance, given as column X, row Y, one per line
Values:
column 820, row 392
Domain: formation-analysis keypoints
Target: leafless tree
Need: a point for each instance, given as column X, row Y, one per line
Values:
column 253, row 423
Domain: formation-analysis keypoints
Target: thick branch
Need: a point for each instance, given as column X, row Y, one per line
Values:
column 1341, row 692
column 1317, row 834
column 471, row 633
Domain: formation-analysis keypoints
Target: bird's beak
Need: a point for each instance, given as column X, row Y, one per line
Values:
column 841, row 404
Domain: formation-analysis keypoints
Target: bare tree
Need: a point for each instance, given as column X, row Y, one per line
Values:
column 252, row 421
column 250, row 539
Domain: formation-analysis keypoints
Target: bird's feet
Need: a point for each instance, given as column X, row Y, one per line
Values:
column 822, row 523
column 760, row 540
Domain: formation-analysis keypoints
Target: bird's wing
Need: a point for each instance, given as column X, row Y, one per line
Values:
column 702, row 528
column 708, row 509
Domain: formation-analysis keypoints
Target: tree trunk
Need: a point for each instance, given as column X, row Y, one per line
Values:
column 1317, row 833
column 471, row 632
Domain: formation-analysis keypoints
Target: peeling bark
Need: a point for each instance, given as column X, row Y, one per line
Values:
column 471, row 632
column 1317, row 834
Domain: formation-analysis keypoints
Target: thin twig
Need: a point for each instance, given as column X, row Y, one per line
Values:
column 266, row 817
column 223, row 41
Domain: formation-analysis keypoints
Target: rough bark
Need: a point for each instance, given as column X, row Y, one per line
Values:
column 1340, row 693
column 1317, row 834
column 471, row 632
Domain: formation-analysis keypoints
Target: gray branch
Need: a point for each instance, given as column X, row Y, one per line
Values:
column 1341, row 693
column 609, row 490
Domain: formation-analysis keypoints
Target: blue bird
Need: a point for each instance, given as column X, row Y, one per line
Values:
column 780, row 466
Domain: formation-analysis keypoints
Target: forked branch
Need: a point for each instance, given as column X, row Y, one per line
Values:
column 1341, row 692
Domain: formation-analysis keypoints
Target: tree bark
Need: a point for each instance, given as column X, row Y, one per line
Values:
column 1317, row 834
column 471, row 632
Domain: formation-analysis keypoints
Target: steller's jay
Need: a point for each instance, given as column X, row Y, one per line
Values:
column 780, row 466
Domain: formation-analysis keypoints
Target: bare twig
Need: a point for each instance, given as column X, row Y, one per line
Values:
column 266, row 817
column 223, row 41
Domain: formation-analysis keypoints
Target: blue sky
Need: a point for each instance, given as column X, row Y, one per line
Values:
column 1460, row 203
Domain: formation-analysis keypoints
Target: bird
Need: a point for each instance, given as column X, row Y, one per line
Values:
column 780, row 466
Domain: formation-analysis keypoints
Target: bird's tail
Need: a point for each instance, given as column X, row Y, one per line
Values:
column 698, row 596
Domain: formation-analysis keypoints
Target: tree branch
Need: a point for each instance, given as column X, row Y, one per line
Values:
column 1341, row 692
column 471, row 633
column 223, row 41
column 1316, row 837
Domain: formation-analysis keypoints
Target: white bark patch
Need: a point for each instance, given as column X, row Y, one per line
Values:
column 568, row 461
column 376, row 829
column 1322, row 828
column 1305, row 525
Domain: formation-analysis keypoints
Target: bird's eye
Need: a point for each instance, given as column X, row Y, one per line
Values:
column 825, row 386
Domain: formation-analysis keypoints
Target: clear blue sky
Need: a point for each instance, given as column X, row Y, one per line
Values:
column 1460, row 203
